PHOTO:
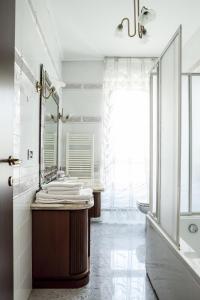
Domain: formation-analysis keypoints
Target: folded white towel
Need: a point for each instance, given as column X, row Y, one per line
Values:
column 71, row 189
column 71, row 178
column 85, row 194
column 55, row 201
column 63, row 192
column 64, row 184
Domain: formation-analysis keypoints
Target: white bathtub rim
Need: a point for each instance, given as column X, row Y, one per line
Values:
column 193, row 268
column 190, row 216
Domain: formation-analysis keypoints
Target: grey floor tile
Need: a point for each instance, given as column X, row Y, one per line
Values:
column 117, row 262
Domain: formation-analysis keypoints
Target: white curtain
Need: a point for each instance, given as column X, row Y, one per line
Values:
column 125, row 154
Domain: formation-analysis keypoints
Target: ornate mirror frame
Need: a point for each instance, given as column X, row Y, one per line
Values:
column 46, row 91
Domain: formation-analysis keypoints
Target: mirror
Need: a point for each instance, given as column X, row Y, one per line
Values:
column 49, row 124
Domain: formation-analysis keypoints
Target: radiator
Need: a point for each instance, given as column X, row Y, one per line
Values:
column 80, row 155
column 50, row 150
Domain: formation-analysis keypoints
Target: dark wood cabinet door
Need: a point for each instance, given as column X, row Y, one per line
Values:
column 95, row 211
column 51, row 245
column 79, row 242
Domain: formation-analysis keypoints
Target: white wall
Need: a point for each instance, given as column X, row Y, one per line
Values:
column 83, row 101
column 31, row 46
column 191, row 53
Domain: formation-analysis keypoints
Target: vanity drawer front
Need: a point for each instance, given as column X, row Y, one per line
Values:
column 51, row 250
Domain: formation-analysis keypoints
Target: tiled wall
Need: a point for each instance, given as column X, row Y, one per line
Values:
column 26, row 178
column 35, row 45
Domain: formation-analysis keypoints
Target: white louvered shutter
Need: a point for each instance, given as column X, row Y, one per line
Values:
column 50, row 149
column 80, row 155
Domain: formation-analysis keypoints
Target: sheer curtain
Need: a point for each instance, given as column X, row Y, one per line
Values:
column 125, row 149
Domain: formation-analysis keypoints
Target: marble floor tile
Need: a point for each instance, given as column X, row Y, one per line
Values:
column 117, row 262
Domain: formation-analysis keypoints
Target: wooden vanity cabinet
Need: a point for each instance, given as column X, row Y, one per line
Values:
column 95, row 211
column 61, row 248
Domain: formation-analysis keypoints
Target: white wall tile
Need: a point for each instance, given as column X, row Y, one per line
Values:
column 31, row 49
column 22, row 245
column 84, row 102
column 26, row 180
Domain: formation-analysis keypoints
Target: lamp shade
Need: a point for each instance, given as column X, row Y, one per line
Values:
column 145, row 38
column 119, row 31
column 146, row 16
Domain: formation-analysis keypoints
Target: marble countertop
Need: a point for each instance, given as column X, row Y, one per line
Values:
column 95, row 185
column 58, row 206
column 97, row 188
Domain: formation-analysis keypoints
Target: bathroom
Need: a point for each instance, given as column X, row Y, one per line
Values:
column 99, row 156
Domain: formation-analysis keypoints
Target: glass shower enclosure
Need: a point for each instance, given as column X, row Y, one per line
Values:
column 173, row 235
column 165, row 138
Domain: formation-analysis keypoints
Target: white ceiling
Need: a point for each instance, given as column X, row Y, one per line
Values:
column 86, row 28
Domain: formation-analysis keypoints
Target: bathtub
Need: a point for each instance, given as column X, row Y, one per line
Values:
column 174, row 273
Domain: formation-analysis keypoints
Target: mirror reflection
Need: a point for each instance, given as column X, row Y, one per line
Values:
column 49, row 129
column 50, row 134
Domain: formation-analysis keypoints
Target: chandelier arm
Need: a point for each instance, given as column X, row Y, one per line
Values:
column 138, row 7
column 138, row 28
column 135, row 16
column 128, row 24
column 139, row 25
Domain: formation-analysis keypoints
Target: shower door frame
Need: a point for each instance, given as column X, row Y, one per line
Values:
column 158, row 192
column 189, row 76
column 151, row 141
column 190, row 98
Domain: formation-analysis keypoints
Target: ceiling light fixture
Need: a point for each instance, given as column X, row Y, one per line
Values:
column 141, row 18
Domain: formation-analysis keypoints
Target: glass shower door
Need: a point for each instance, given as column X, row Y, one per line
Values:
column 170, row 138
column 165, row 144
column 195, row 129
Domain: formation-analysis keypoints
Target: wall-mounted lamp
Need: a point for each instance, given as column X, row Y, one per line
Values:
column 43, row 88
column 54, row 118
column 140, row 17
column 51, row 117
column 63, row 118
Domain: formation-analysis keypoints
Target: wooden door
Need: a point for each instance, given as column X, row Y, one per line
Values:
column 7, row 56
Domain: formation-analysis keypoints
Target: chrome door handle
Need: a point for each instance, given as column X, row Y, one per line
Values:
column 11, row 161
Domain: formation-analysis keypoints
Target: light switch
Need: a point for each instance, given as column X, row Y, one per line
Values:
column 30, row 154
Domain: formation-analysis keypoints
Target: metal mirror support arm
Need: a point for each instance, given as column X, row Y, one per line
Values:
column 40, row 88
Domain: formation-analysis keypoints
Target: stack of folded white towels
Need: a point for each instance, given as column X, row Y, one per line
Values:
column 71, row 192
